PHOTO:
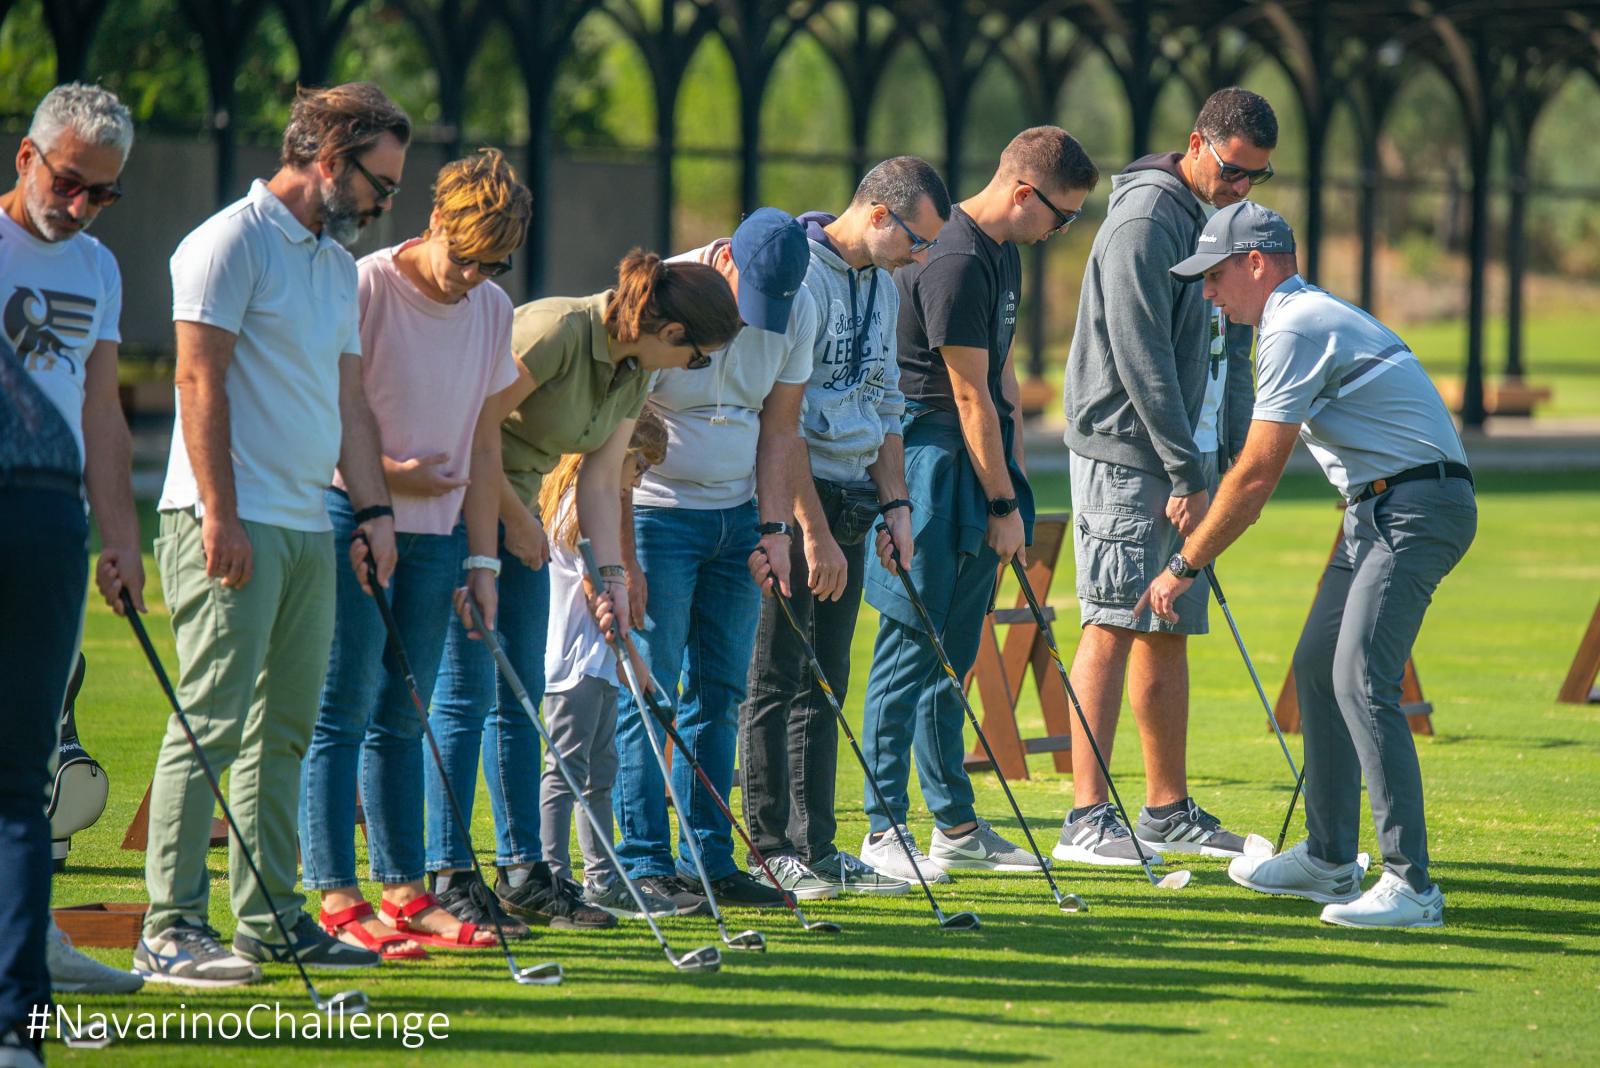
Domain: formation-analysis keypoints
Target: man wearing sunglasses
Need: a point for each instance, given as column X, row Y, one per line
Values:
column 1158, row 391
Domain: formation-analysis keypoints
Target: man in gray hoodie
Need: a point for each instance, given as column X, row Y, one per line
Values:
column 849, row 472
column 1158, row 391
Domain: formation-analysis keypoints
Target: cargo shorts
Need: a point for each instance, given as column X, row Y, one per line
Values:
column 1121, row 540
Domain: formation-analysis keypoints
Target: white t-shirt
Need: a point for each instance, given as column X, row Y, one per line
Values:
column 573, row 645
column 289, row 296
column 713, row 415
column 58, row 299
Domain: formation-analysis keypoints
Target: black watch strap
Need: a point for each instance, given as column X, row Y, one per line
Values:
column 373, row 511
column 1002, row 506
column 774, row 528
column 889, row 506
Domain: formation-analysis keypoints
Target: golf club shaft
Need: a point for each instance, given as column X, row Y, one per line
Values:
column 1283, row 832
column 1238, row 639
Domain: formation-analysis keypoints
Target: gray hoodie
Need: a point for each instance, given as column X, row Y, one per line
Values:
column 853, row 398
column 1136, row 374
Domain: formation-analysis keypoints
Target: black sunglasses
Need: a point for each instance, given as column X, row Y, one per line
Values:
column 486, row 268
column 918, row 244
column 67, row 187
column 698, row 360
column 1064, row 219
column 382, row 188
column 1232, row 172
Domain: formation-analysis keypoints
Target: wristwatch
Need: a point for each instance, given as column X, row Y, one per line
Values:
column 1002, row 506
column 775, row 528
column 481, row 563
column 1180, row 567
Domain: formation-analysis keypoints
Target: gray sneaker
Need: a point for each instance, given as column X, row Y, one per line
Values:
column 74, row 972
column 315, row 947
column 614, row 898
column 793, row 876
column 191, row 954
column 1194, row 830
column 980, row 848
column 853, row 876
column 886, row 855
column 1098, row 837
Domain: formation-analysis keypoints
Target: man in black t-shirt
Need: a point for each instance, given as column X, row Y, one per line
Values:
column 972, row 507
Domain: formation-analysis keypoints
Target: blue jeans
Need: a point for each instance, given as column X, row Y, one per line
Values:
column 367, row 724
column 44, row 568
column 701, row 628
column 473, row 710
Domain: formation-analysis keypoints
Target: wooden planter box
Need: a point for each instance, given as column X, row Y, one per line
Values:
column 110, row 924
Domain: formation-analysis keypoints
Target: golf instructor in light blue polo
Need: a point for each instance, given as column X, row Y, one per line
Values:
column 1333, row 375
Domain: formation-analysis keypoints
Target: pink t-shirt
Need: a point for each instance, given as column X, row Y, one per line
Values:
column 427, row 368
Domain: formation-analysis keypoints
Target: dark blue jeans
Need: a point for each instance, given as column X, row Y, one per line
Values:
column 44, row 570
column 701, row 629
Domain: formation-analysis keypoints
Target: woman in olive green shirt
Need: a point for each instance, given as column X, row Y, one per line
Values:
column 584, row 368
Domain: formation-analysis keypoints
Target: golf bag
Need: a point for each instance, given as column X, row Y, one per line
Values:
column 78, row 794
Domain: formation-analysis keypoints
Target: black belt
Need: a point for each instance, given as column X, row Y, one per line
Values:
column 39, row 478
column 1439, row 471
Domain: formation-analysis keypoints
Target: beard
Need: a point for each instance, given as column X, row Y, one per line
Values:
column 53, row 225
column 342, row 217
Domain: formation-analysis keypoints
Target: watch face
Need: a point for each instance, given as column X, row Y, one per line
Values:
column 1176, row 565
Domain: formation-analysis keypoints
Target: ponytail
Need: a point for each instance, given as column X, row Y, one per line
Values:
column 651, row 293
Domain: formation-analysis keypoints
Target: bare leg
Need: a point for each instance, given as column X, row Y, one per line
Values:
column 1158, row 690
column 1097, row 670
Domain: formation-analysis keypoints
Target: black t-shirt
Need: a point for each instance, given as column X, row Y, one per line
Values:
column 965, row 294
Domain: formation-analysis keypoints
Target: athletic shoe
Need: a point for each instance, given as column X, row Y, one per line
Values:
column 71, row 972
column 18, row 1050
column 883, row 852
column 191, row 954
column 739, row 890
column 685, row 895
column 1098, row 837
column 851, row 876
column 613, row 896
column 795, row 877
column 315, row 947
column 1390, row 903
column 543, row 899
column 980, row 848
column 1194, row 830
column 469, row 900
column 1295, row 873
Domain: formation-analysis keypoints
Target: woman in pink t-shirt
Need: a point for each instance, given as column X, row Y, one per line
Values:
column 436, row 344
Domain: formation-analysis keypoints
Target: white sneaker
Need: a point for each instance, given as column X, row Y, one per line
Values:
column 980, row 848
column 72, row 972
column 1293, row 872
column 1390, row 903
column 887, row 857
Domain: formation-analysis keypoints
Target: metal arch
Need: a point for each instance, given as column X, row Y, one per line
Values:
column 316, row 32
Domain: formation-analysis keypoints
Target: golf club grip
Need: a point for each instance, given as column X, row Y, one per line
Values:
column 1211, row 575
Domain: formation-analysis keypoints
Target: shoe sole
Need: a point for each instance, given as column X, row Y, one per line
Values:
column 562, row 923
column 202, row 984
column 974, row 864
column 890, row 866
column 1382, row 926
column 1190, row 848
column 1307, row 895
column 891, row 890
column 816, row 893
column 1078, row 855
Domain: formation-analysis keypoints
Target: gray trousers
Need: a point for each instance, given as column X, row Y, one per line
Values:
column 582, row 723
column 1351, row 659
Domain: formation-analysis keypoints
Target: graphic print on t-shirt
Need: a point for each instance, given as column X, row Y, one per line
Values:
column 45, row 325
column 848, row 365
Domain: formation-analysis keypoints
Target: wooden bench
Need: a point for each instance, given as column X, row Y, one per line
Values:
column 1509, row 396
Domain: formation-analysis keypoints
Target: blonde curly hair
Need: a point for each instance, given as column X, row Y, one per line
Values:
column 481, row 207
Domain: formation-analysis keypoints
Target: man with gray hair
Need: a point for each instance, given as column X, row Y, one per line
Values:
column 60, row 302
column 1332, row 375
column 1157, row 394
column 850, row 470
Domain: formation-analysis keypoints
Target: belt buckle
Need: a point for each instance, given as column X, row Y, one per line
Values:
column 1377, row 487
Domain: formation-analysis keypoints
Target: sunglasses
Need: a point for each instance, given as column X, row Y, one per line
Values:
column 1064, row 219
column 918, row 244
column 1230, row 172
column 384, row 190
column 67, row 187
column 698, row 360
column 486, row 268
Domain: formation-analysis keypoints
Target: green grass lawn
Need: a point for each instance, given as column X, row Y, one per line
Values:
column 1211, row 974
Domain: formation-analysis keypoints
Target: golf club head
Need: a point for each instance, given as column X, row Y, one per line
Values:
column 753, row 941
column 825, row 926
column 1257, row 846
column 1365, row 860
column 547, row 974
column 960, row 921
column 346, row 1003
column 1174, row 880
column 1071, row 903
column 704, row 959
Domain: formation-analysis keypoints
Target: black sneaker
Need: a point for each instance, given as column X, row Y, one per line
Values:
column 547, row 901
column 1194, row 830
column 686, row 898
column 469, row 900
column 741, row 890
column 316, row 948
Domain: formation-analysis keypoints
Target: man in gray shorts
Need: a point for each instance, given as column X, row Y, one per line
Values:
column 1333, row 375
column 1158, row 397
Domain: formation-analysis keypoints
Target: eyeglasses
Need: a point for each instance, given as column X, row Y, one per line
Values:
column 918, row 244
column 1232, row 172
column 67, row 187
column 486, row 268
column 1064, row 219
column 382, row 188
column 698, row 360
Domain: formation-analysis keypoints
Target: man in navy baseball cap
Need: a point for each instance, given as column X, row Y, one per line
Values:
column 771, row 254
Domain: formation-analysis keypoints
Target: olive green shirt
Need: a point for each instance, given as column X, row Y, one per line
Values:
column 581, row 396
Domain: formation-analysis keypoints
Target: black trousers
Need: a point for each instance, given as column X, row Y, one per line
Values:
column 788, row 737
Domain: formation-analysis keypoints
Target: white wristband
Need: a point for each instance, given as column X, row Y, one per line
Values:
column 481, row 563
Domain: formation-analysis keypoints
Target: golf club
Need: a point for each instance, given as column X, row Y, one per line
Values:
column 548, row 974
column 959, row 921
column 1173, row 880
column 704, row 959
column 754, row 941
column 1272, row 720
column 345, row 1002
column 1065, row 902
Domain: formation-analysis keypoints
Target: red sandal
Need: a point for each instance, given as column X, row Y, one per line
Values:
column 349, row 921
column 399, row 916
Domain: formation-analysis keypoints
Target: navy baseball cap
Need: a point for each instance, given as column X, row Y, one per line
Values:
column 771, row 252
column 1236, row 228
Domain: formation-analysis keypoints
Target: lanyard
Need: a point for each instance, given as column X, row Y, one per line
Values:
column 861, row 325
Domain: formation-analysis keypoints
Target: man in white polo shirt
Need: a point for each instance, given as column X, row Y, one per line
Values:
column 269, row 401
column 1331, row 374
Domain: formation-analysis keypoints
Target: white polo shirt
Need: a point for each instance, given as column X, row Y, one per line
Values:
column 290, row 298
